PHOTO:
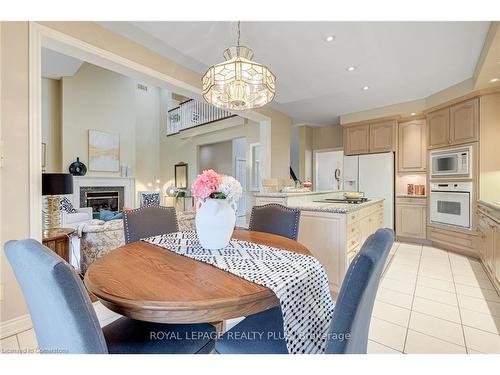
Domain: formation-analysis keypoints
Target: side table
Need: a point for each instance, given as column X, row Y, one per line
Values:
column 58, row 241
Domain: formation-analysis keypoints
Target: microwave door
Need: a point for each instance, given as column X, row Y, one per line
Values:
column 445, row 164
column 451, row 208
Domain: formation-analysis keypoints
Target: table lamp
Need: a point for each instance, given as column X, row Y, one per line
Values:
column 54, row 185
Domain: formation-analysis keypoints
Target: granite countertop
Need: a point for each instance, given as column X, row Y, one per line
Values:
column 335, row 207
column 292, row 194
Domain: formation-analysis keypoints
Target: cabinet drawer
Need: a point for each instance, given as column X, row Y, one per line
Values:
column 353, row 232
column 455, row 240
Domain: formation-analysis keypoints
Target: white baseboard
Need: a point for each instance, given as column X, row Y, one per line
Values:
column 23, row 323
column 14, row 326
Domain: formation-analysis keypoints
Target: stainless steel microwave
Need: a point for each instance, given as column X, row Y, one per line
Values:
column 451, row 163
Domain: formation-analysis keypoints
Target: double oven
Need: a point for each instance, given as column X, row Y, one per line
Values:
column 451, row 196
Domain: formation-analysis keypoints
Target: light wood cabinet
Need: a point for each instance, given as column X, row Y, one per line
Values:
column 370, row 138
column 411, row 218
column 357, row 139
column 335, row 238
column 464, row 118
column 412, row 146
column 438, row 128
column 454, row 125
column 488, row 233
column 383, row 136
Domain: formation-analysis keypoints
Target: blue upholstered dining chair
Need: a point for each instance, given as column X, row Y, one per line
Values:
column 65, row 321
column 276, row 219
column 352, row 313
column 148, row 221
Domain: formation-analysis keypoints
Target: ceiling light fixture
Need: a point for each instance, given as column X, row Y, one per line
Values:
column 365, row 88
column 493, row 80
column 238, row 83
column 330, row 38
column 412, row 114
column 351, row 68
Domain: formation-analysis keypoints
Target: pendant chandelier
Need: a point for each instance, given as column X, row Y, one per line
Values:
column 238, row 83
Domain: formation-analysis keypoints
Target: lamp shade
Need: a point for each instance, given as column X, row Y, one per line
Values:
column 57, row 183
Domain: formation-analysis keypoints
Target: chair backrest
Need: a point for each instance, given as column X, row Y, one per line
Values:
column 63, row 316
column 148, row 221
column 351, row 318
column 276, row 219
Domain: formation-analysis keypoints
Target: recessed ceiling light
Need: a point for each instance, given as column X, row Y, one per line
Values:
column 493, row 80
column 412, row 114
column 351, row 68
column 365, row 88
column 329, row 38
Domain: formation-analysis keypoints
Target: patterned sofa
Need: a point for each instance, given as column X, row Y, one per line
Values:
column 98, row 237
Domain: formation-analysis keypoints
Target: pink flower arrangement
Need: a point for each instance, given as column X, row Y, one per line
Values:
column 206, row 184
column 210, row 184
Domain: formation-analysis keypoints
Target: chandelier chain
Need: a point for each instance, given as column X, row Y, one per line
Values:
column 239, row 33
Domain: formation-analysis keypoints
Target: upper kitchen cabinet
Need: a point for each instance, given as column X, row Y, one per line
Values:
column 383, row 136
column 464, row 119
column 439, row 128
column 454, row 125
column 357, row 140
column 412, row 146
column 370, row 138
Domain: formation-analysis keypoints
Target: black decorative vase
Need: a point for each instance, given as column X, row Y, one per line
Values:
column 77, row 168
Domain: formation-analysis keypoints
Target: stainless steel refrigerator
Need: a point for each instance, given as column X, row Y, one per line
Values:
column 374, row 175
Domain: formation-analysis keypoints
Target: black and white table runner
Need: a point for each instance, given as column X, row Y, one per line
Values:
column 299, row 281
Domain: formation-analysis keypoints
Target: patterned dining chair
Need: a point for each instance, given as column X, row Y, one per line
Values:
column 65, row 321
column 348, row 333
column 276, row 219
column 149, row 221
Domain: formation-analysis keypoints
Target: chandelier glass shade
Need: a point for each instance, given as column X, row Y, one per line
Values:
column 239, row 83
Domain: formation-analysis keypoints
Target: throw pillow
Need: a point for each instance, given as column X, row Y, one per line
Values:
column 65, row 205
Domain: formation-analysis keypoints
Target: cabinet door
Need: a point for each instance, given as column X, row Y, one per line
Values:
column 438, row 128
column 464, row 121
column 482, row 230
column 383, row 136
column 411, row 146
column 496, row 254
column 489, row 247
column 411, row 221
column 356, row 140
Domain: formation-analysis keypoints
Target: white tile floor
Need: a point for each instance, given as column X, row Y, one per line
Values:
column 434, row 301
column 429, row 301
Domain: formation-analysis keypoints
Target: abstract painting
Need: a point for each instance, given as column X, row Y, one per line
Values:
column 104, row 151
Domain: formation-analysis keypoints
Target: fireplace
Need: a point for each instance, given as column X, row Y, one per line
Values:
column 102, row 198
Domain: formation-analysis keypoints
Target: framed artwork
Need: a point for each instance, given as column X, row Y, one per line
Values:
column 181, row 175
column 104, row 151
column 149, row 198
column 44, row 156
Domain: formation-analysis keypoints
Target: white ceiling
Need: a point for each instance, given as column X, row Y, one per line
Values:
column 399, row 61
column 56, row 65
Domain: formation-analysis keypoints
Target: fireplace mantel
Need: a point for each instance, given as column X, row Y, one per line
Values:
column 128, row 184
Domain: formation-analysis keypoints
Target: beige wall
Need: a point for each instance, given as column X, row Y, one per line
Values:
column 51, row 124
column 489, row 175
column 305, row 153
column 327, row 137
column 217, row 156
column 15, row 187
column 98, row 99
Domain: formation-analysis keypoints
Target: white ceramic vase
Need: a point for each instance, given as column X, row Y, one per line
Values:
column 215, row 220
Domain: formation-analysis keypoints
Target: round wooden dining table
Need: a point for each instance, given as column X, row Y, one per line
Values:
column 146, row 282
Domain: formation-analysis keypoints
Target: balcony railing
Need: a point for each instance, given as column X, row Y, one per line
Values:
column 193, row 113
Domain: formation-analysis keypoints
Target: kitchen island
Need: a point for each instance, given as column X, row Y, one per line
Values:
column 333, row 232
